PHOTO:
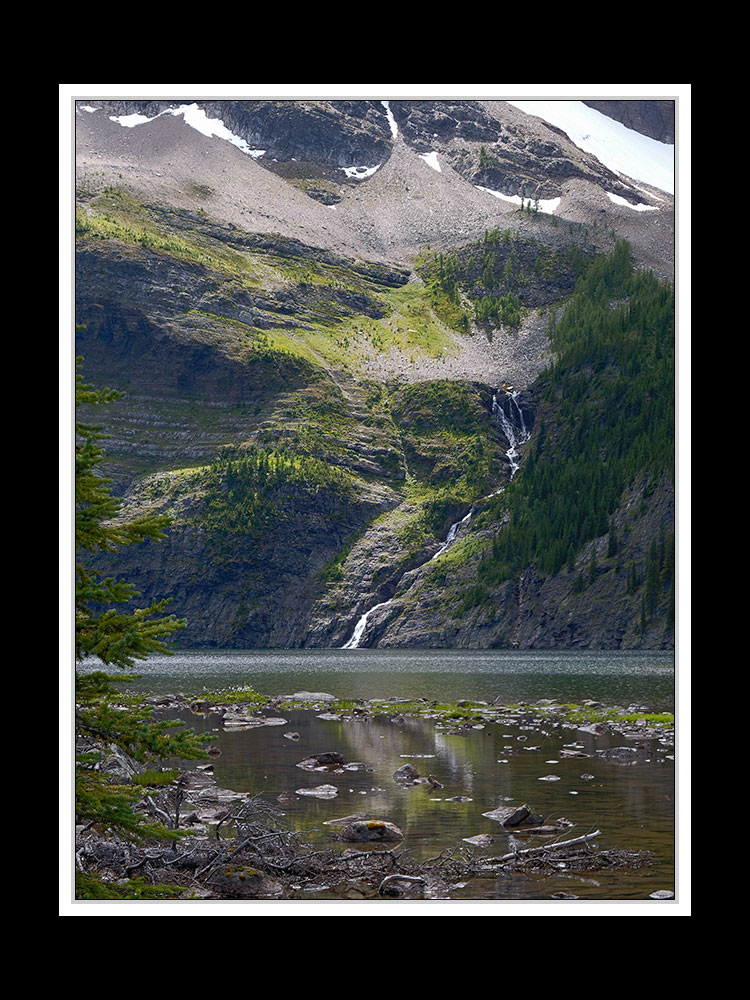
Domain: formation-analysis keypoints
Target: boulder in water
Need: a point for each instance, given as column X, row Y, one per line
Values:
column 370, row 831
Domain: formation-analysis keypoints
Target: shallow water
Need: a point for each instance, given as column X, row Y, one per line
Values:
column 504, row 762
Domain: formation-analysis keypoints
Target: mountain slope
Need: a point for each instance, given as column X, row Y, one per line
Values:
column 312, row 341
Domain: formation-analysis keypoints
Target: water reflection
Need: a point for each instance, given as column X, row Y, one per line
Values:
column 502, row 763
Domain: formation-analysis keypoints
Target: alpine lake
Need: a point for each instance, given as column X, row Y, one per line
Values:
column 520, row 731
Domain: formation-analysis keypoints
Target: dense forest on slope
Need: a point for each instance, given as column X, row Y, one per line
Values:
column 611, row 397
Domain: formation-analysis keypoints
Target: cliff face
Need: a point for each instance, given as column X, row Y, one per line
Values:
column 333, row 422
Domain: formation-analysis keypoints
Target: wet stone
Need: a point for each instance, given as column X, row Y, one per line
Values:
column 481, row 840
column 406, row 774
column 371, row 831
column 515, row 816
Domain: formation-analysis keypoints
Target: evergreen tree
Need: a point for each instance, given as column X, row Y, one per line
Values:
column 114, row 638
column 106, row 720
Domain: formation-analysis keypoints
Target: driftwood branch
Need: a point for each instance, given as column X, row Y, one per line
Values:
column 545, row 848
column 160, row 812
column 399, row 878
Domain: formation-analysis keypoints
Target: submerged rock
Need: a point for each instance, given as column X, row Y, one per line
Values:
column 481, row 840
column 236, row 720
column 624, row 755
column 319, row 792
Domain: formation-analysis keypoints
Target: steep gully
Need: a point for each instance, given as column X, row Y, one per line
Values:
column 515, row 430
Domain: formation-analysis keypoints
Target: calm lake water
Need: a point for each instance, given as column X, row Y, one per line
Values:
column 505, row 762
column 615, row 678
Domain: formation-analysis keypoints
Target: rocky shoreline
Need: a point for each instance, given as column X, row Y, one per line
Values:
column 236, row 845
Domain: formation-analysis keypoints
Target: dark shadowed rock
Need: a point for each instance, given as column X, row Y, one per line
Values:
column 243, row 882
column 328, row 760
column 406, row 775
column 515, row 816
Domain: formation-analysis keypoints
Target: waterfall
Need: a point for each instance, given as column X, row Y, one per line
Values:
column 514, row 430
column 452, row 535
column 359, row 628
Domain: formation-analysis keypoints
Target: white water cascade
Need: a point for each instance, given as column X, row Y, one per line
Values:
column 359, row 628
column 516, row 434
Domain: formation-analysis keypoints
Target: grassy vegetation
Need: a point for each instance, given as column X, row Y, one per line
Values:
column 233, row 696
column 346, row 314
column 115, row 215
column 448, row 438
column 91, row 887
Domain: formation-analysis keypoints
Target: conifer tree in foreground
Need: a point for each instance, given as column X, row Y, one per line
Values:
column 106, row 720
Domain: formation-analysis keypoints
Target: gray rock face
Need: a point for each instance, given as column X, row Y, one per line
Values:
column 335, row 134
column 490, row 146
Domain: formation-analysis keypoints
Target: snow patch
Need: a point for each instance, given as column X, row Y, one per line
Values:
column 615, row 146
column 640, row 207
column 431, row 159
column 548, row 205
column 391, row 119
column 196, row 118
column 360, row 173
column 87, row 107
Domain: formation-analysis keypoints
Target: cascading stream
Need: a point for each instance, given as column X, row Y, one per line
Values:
column 517, row 435
column 450, row 538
